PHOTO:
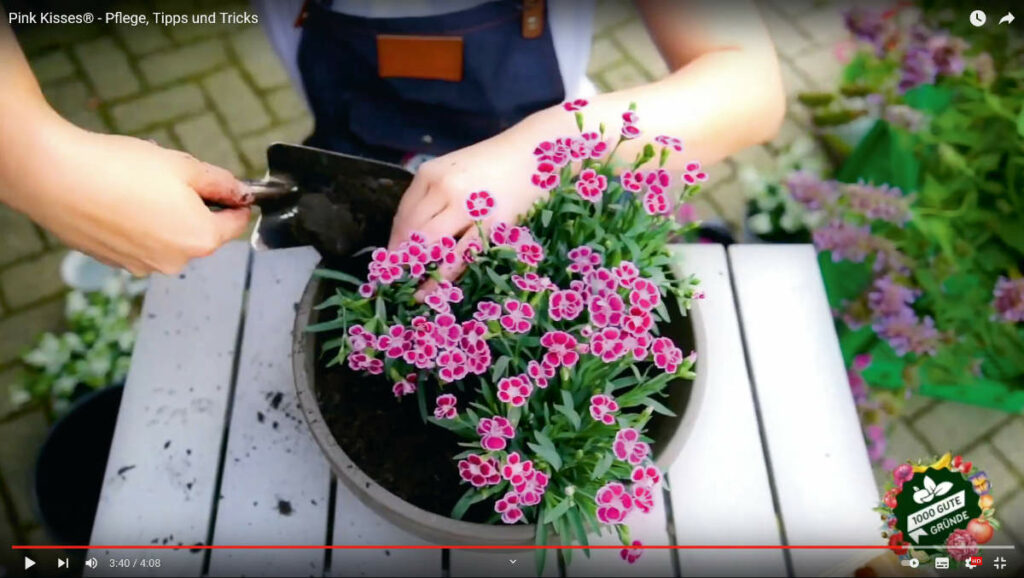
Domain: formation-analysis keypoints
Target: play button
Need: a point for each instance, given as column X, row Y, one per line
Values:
column 29, row 562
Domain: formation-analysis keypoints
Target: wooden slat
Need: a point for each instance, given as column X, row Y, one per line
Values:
column 160, row 477
column 355, row 524
column 720, row 489
column 818, row 457
column 276, row 483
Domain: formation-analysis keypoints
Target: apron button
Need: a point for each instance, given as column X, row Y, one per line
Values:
column 427, row 139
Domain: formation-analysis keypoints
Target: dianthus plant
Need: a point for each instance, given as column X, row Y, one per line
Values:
column 545, row 355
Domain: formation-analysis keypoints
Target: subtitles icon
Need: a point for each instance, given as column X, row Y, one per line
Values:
column 973, row 562
column 941, row 563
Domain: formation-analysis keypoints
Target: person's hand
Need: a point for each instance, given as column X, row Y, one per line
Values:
column 435, row 202
column 130, row 202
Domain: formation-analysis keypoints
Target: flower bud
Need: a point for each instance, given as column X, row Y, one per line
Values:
column 570, row 491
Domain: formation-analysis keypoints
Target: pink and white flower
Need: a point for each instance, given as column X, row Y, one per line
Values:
column 602, row 282
column 638, row 321
column 540, row 373
column 643, row 498
column 596, row 148
column 630, row 119
column 608, row 344
column 649, row 476
column 603, row 408
column 508, row 507
column 565, row 305
column 591, row 185
column 584, row 260
column 532, row 489
column 443, row 251
column 547, row 176
column 614, row 503
column 479, row 471
column 574, row 105
column 656, row 202
column 479, row 205
column 667, row 356
column 632, row 181
column 359, row 339
column 405, row 386
column 493, row 432
column 644, row 294
column 452, row 365
column 626, row 272
column 669, row 142
column 487, row 311
column 561, row 349
column 606, row 311
column 532, row 282
column 628, row 447
column 519, row 318
column 658, row 179
column 396, row 341
column 530, row 254
column 693, row 174
column 366, row 290
column 445, row 408
column 636, row 344
column 632, row 553
column 516, row 470
column 515, row 390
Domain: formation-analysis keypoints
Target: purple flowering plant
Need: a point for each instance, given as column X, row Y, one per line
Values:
column 545, row 357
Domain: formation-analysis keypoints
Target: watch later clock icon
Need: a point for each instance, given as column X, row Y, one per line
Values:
column 978, row 18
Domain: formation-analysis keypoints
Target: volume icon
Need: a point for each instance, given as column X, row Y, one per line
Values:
column 92, row 563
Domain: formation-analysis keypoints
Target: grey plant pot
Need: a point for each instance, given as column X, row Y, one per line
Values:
column 670, row 434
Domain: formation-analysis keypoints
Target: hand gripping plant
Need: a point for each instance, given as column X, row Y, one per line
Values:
column 545, row 356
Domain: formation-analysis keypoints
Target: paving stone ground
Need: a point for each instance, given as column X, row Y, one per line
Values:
column 219, row 93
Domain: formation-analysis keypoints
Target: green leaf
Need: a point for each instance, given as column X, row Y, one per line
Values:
column 657, row 407
column 380, row 311
column 568, row 409
column 1020, row 123
column 336, row 275
column 550, row 515
column 541, row 539
column 577, row 526
column 545, row 217
column 546, row 450
column 499, row 367
column 471, row 497
column 498, row 281
column 326, row 326
column 602, row 466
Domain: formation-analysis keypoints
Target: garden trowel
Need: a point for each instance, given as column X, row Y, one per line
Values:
column 336, row 202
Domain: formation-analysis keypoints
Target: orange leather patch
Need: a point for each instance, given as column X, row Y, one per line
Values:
column 428, row 57
column 533, row 18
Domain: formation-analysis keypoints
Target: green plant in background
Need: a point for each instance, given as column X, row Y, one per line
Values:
column 773, row 215
column 93, row 353
column 935, row 298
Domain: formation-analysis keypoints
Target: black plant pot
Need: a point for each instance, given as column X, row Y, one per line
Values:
column 71, row 463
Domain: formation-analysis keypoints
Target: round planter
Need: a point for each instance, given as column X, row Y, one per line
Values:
column 670, row 434
column 71, row 464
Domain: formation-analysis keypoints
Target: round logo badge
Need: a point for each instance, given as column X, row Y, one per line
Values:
column 940, row 509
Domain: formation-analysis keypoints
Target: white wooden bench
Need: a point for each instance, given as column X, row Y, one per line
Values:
column 210, row 448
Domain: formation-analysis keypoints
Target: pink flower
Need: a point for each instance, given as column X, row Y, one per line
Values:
column 632, row 553
column 693, row 175
column 547, row 176
column 554, row 152
column 515, row 390
column 669, row 142
column 591, row 185
column 366, row 290
column 532, row 489
column 632, row 181
column 659, row 178
column 584, row 260
column 602, row 282
column 445, row 407
column 645, row 294
column 473, row 333
column 447, row 331
column 516, row 470
column 478, row 359
column 638, row 322
column 603, row 408
column 406, row 386
column 649, row 476
column 532, row 282
column 643, row 498
column 613, row 503
column 561, row 349
column 416, row 257
column 607, row 344
column 487, row 311
column 473, row 248
column 494, row 431
column 479, row 204
column 452, row 364
column 567, row 305
column 360, row 339
column 626, row 272
column 540, row 373
column 508, row 507
column 605, row 311
column 1008, row 300
column 902, row 473
column 961, row 545
column 656, row 202
column 628, row 447
column 530, row 254
column 479, row 471
column 666, row 355
column 396, row 341
column 574, row 105
column 629, row 125
column 636, row 344
column 518, row 319
column 596, row 148
column 577, row 147
column 443, row 251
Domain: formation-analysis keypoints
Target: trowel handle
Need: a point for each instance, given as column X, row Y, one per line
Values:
column 261, row 191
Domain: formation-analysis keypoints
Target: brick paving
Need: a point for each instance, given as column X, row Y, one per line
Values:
column 219, row 93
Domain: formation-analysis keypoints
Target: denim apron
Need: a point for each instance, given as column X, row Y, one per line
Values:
column 505, row 78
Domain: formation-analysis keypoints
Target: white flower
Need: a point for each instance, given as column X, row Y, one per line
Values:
column 19, row 396
column 768, row 200
column 64, row 385
column 790, row 221
column 760, row 223
column 75, row 303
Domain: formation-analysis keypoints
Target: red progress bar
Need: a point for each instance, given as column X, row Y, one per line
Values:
column 457, row 547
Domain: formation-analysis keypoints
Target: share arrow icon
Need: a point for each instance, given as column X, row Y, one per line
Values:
column 1008, row 19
